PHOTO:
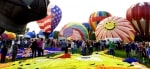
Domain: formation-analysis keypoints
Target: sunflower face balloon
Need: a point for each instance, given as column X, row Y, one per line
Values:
column 115, row 27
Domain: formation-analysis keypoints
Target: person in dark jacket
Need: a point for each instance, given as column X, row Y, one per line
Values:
column 14, row 51
column 3, row 53
column 34, row 47
column 128, row 49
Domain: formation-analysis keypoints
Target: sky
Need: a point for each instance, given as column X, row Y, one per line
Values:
column 80, row 10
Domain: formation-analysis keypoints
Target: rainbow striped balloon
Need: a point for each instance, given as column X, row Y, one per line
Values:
column 74, row 30
column 96, row 17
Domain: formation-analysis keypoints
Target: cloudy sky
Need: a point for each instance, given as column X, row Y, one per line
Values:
column 80, row 10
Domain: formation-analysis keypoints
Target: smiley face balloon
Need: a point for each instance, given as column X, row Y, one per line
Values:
column 115, row 27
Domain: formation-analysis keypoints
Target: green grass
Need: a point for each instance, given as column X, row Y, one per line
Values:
column 122, row 54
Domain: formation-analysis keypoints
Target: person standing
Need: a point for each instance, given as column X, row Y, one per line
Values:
column 14, row 51
column 40, row 46
column 128, row 49
column 72, row 46
column 148, row 53
column 34, row 47
column 111, row 48
column 83, row 48
column 3, row 53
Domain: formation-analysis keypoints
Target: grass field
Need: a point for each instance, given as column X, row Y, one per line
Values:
column 122, row 54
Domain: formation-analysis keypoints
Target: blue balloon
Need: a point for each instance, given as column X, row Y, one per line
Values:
column 30, row 35
column 88, row 27
column 41, row 34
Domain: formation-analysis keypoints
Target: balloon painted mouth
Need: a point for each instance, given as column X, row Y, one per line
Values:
column 110, row 25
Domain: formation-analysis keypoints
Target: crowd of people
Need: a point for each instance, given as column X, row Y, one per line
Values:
column 37, row 46
column 134, row 49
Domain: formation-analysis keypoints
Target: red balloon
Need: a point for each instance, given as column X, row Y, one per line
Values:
column 139, row 16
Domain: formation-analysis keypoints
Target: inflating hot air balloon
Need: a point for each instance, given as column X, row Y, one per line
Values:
column 90, row 31
column 8, row 35
column 96, row 17
column 30, row 35
column 87, row 25
column 50, row 22
column 139, row 16
column 74, row 31
column 115, row 27
column 15, row 14
column 42, row 35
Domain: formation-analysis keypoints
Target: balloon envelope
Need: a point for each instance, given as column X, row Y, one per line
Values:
column 115, row 27
column 71, row 27
column 50, row 22
column 87, row 25
column 139, row 16
column 96, row 17
column 8, row 35
column 30, row 35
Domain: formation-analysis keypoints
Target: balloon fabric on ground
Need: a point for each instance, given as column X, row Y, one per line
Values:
column 71, row 27
column 94, row 61
column 115, row 27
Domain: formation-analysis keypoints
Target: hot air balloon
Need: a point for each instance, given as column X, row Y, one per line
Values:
column 74, row 30
column 50, row 22
column 139, row 16
column 16, row 14
column 42, row 35
column 8, row 35
column 90, row 31
column 30, row 35
column 115, row 27
column 87, row 25
column 96, row 17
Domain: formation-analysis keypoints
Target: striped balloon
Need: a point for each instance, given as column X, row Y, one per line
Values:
column 115, row 27
column 96, row 17
column 50, row 22
column 74, row 30
column 139, row 16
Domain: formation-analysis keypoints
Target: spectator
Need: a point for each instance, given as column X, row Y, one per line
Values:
column 148, row 53
column 3, row 53
column 133, row 49
column 72, row 46
column 34, row 47
column 14, row 51
column 128, row 49
column 111, row 48
column 40, row 46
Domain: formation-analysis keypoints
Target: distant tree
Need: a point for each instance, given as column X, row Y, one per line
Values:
column 56, row 34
